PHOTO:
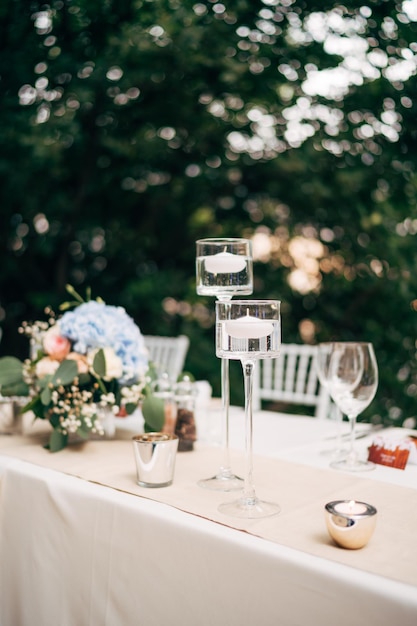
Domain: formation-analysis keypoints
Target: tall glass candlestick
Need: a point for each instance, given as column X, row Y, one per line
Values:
column 248, row 330
column 224, row 269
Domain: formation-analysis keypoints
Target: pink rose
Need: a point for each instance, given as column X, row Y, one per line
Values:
column 46, row 366
column 81, row 361
column 55, row 345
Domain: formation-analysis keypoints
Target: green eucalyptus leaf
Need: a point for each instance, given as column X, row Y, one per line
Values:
column 57, row 441
column 83, row 432
column 153, row 413
column 130, row 407
column 16, row 389
column 46, row 396
column 99, row 364
column 44, row 381
column 11, row 371
column 54, row 419
column 65, row 373
column 36, row 406
column 84, row 379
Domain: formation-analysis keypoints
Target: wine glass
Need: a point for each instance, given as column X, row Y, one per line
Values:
column 248, row 330
column 224, row 269
column 353, row 381
column 324, row 352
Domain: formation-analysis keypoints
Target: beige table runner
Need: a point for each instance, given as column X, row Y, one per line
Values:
column 301, row 492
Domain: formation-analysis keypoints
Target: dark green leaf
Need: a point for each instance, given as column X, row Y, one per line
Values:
column 84, row 379
column 83, row 432
column 153, row 413
column 46, row 396
column 44, row 381
column 54, row 419
column 65, row 373
column 18, row 389
column 57, row 441
column 99, row 364
column 36, row 406
column 11, row 371
column 130, row 407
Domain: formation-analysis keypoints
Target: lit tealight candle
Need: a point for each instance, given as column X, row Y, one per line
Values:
column 350, row 508
column 224, row 263
column 249, row 327
column 350, row 523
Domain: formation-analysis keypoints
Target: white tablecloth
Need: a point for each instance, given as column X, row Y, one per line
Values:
column 74, row 552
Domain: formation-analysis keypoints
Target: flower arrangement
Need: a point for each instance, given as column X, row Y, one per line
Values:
column 91, row 358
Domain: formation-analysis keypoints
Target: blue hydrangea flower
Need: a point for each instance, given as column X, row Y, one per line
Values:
column 97, row 325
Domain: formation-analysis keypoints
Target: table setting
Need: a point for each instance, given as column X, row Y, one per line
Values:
column 302, row 490
column 335, row 516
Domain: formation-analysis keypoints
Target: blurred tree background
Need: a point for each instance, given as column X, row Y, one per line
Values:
column 131, row 128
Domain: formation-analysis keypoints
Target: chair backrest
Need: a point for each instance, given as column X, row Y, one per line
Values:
column 291, row 379
column 167, row 354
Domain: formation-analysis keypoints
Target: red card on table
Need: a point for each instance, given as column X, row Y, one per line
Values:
column 390, row 453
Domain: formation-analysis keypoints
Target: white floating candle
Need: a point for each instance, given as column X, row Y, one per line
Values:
column 249, row 327
column 224, row 263
column 350, row 508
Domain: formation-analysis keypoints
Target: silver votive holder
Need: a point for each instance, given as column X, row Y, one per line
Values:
column 350, row 523
column 155, row 455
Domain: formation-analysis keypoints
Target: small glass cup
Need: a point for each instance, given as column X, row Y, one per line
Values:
column 155, row 455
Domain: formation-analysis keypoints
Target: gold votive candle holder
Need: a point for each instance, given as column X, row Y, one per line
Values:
column 350, row 523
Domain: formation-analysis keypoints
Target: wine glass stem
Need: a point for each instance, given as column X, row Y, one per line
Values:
column 248, row 489
column 336, row 417
column 339, row 424
column 352, row 454
column 225, row 467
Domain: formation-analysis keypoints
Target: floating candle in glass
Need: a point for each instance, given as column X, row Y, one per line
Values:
column 225, row 263
column 249, row 327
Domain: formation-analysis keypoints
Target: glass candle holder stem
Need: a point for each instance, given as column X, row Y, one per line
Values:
column 225, row 468
column 249, row 495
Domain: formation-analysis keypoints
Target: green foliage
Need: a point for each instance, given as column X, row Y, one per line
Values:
column 153, row 413
column 99, row 364
column 11, row 377
column 57, row 441
column 65, row 373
